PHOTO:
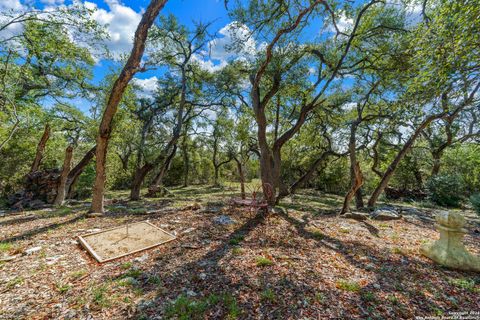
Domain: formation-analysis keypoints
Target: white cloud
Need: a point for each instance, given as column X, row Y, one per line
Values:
column 10, row 5
column 120, row 21
column 147, row 86
column 344, row 24
column 349, row 106
column 236, row 41
column 207, row 64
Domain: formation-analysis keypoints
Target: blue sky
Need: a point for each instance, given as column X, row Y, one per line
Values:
column 121, row 18
column 186, row 11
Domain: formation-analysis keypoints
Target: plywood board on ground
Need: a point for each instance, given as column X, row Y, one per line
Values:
column 117, row 242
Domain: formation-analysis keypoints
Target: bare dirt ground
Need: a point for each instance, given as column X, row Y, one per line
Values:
column 302, row 264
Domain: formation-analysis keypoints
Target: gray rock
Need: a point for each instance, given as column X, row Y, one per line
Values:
column 70, row 314
column 145, row 304
column 385, row 214
column 411, row 211
column 191, row 293
column 130, row 281
column 142, row 258
column 225, row 220
column 356, row 216
column 36, row 204
column 33, row 250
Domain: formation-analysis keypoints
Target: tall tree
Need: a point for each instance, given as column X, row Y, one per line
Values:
column 131, row 67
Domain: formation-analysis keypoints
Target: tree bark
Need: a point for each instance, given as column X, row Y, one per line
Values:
column 241, row 176
column 186, row 161
column 140, row 175
column 400, row 155
column 157, row 184
column 77, row 170
column 41, row 148
column 356, row 184
column 128, row 71
column 62, row 187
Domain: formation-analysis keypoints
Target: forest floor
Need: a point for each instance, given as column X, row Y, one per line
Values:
column 304, row 263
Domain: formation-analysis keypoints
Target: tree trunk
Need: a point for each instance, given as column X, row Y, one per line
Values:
column 186, row 161
column 436, row 163
column 241, row 176
column 359, row 199
column 309, row 173
column 216, row 167
column 128, row 71
column 401, row 154
column 41, row 148
column 62, row 187
column 77, row 170
column 157, row 184
column 356, row 184
column 140, row 175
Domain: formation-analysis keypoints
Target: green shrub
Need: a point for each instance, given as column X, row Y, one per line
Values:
column 445, row 190
column 475, row 200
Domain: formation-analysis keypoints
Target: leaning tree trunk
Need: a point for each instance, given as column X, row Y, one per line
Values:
column 62, row 186
column 138, row 180
column 77, row 170
column 356, row 184
column 128, row 71
column 157, row 184
column 241, row 176
column 401, row 154
column 41, row 148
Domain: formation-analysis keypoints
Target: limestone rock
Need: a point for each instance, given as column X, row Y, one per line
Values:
column 356, row 216
column 32, row 250
column 225, row 220
column 449, row 250
column 384, row 214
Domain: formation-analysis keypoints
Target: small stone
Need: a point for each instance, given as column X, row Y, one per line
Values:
column 145, row 304
column 52, row 260
column 32, row 250
column 188, row 230
column 141, row 259
column 191, row 293
column 130, row 281
column 225, row 220
column 70, row 314
column 202, row 276
column 376, row 286
column 370, row 267
column 8, row 258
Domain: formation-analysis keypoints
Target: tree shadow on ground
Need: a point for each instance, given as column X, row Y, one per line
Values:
column 397, row 276
column 31, row 233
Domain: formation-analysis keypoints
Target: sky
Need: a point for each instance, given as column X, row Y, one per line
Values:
column 121, row 17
